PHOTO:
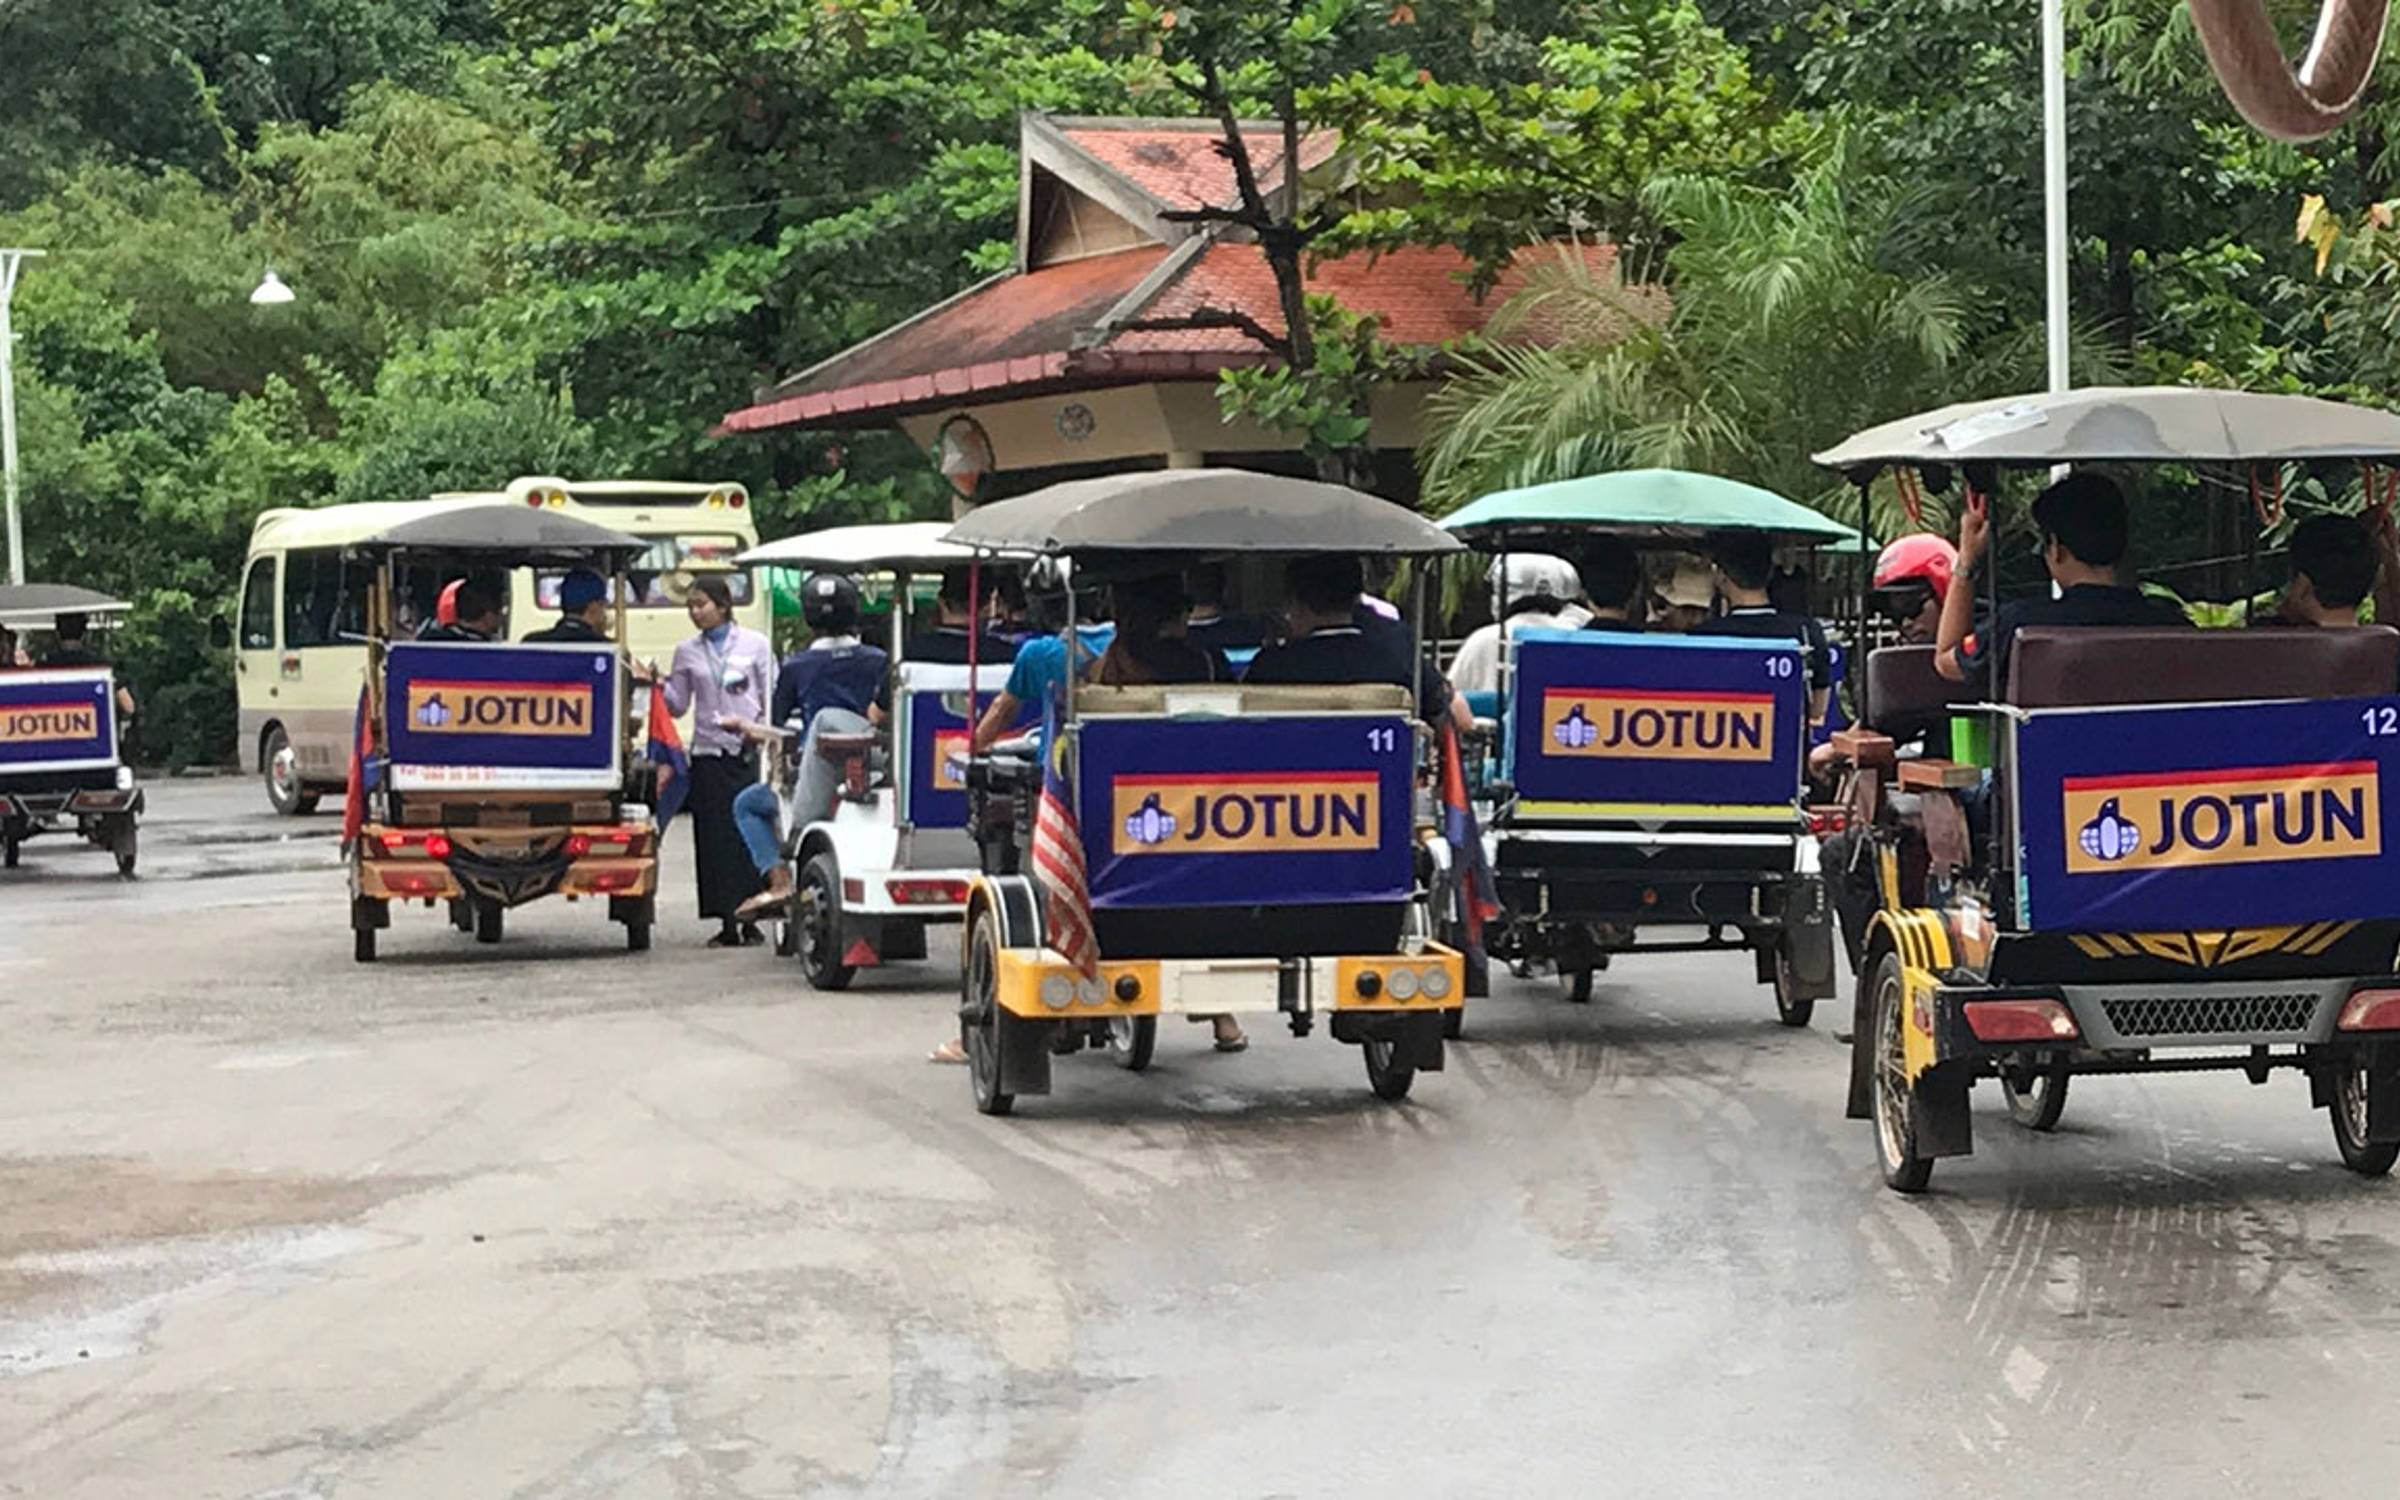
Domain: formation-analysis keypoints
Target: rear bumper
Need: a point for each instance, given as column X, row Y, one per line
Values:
column 2131, row 1020
column 507, row 868
column 1039, row 985
column 44, row 808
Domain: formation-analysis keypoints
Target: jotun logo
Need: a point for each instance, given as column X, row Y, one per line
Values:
column 510, row 708
column 30, row 723
column 1302, row 812
column 1646, row 724
column 2255, row 815
column 949, row 760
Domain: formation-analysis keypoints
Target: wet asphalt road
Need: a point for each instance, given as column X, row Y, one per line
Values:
column 551, row 1221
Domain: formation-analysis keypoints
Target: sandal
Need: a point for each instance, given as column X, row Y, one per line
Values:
column 765, row 903
column 727, row 938
column 948, row 1052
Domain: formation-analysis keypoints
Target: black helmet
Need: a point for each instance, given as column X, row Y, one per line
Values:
column 829, row 602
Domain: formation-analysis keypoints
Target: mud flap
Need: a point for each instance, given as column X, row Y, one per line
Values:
column 1416, row 1037
column 369, row 913
column 1808, row 943
column 1861, row 1105
column 1943, row 1125
column 1024, row 1054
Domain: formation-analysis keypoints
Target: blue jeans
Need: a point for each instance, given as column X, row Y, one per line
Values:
column 758, row 817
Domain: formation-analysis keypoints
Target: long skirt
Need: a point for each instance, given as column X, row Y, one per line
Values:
column 720, row 863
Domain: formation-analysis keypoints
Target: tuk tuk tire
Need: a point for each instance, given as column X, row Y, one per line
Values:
column 817, row 907
column 637, row 936
column 2349, row 1114
column 1579, row 985
column 1390, row 1078
column 290, row 797
column 1904, row 1170
column 11, row 851
column 979, row 1016
column 490, row 920
column 362, row 944
column 462, row 914
column 1131, row 1041
column 1454, row 1021
column 1790, row 1008
column 2038, row 1107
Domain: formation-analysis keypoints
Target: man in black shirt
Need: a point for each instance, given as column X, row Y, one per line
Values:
column 2083, row 535
column 1745, row 568
column 1329, row 645
column 1612, row 583
column 72, row 647
column 582, row 611
column 946, row 643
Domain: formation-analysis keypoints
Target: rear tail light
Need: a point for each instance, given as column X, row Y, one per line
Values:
column 736, row 499
column 1828, row 820
column 579, row 845
column 434, row 845
column 2371, row 1010
column 437, row 845
column 926, row 892
column 613, row 880
column 2021, row 1020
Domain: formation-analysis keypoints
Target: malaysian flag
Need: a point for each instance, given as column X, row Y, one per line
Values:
column 1058, row 857
column 366, row 772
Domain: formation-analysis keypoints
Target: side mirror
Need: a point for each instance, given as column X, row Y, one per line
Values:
column 220, row 634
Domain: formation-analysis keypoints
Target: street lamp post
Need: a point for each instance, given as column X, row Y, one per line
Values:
column 2054, row 186
column 11, row 262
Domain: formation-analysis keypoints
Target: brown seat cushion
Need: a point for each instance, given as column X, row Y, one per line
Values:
column 1905, row 695
column 2072, row 667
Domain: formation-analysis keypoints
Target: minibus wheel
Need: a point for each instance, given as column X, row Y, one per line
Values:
column 281, row 767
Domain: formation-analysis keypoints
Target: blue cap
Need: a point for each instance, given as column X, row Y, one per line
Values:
column 580, row 590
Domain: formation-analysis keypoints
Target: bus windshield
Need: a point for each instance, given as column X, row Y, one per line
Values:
column 712, row 552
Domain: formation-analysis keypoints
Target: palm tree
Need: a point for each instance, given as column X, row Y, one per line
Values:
column 1798, row 317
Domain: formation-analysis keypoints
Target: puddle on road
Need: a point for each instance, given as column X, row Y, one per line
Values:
column 93, row 1250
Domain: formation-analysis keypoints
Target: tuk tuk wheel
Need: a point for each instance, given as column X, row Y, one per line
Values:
column 1789, row 1008
column 1131, row 1040
column 2036, row 1097
column 637, row 935
column 490, row 917
column 462, row 914
column 979, row 1017
column 1579, row 985
column 819, row 907
column 362, row 944
column 126, row 846
column 9, row 853
column 281, row 766
column 1454, row 1022
column 1895, row 1136
column 1389, row 1077
column 2366, row 1158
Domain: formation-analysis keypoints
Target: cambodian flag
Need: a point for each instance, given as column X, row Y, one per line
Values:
column 365, row 772
column 1058, row 857
column 666, row 751
column 1477, row 902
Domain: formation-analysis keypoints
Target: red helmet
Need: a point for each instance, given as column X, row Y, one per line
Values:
column 1920, row 554
column 445, row 609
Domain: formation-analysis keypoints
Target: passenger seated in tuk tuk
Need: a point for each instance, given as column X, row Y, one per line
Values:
column 1745, row 572
column 475, row 613
column 1328, row 645
column 71, row 646
column 1040, row 668
column 10, row 654
column 582, row 611
column 1612, row 584
column 830, row 686
column 1149, row 648
column 1538, row 589
column 1206, row 624
column 2337, row 562
column 1683, row 599
column 947, row 642
column 1911, row 582
column 2081, row 519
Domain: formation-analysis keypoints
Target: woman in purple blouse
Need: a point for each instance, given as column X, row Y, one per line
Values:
column 721, row 676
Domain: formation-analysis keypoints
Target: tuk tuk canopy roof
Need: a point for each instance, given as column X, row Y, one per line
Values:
column 2126, row 424
column 37, row 605
column 916, row 546
column 1220, row 511
column 1666, row 503
column 518, row 533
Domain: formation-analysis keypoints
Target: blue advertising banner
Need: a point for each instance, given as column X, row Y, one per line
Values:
column 1656, row 719
column 2222, row 816
column 61, row 719
column 466, row 713
column 932, row 698
column 1299, row 810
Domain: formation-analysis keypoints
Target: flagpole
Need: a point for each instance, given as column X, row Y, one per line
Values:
column 2054, row 187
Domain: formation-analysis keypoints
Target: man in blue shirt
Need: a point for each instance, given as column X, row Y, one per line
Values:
column 833, row 686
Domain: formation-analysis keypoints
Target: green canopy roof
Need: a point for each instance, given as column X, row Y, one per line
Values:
column 1668, row 504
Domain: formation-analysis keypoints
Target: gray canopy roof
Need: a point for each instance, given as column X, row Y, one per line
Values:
column 36, row 605
column 520, row 533
column 1200, row 511
column 2132, row 424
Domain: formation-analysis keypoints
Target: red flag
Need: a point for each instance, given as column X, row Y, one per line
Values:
column 354, row 794
column 1058, row 859
column 666, row 752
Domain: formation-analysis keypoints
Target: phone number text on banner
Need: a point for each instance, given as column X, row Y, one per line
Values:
column 523, row 708
column 1245, row 812
column 2245, row 815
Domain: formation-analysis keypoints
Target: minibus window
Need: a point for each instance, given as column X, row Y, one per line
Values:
column 258, row 606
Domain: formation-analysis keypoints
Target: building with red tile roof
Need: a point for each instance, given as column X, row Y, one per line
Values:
column 1059, row 366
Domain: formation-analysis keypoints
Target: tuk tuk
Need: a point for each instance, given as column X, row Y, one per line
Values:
column 1650, row 786
column 893, row 856
column 62, row 764
column 489, row 774
column 2191, row 863
column 1210, row 848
